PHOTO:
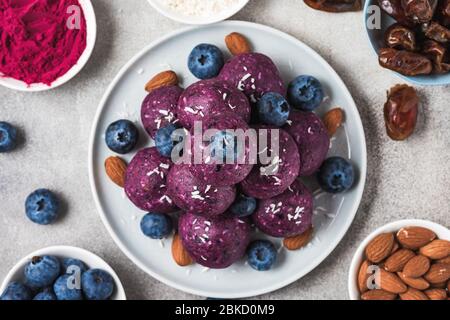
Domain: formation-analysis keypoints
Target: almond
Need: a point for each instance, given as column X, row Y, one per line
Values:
column 417, row 267
column 416, row 283
column 444, row 260
column 363, row 276
column 439, row 285
column 116, row 169
column 437, row 249
column 162, row 79
column 297, row 242
column 398, row 260
column 333, row 120
column 179, row 253
column 391, row 283
column 439, row 272
column 415, row 237
column 378, row 294
column 237, row 44
column 413, row 294
column 380, row 247
column 436, row 294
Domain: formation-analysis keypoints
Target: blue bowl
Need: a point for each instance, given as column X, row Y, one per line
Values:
column 376, row 39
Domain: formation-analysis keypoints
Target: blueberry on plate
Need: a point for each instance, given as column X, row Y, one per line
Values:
column 273, row 109
column 67, row 287
column 40, row 272
column 205, row 61
column 156, row 225
column 45, row 295
column 71, row 266
column 8, row 137
column 97, row 284
column 121, row 136
column 16, row 291
column 42, row 207
column 305, row 93
column 261, row 255
column 243, row 206
column 336, row 175
column 164, row 141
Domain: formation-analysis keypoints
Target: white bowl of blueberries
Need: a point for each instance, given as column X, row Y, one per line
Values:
column 62, row 273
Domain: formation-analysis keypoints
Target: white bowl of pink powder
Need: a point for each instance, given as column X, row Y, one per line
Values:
column 45, row 44
column 198, row 12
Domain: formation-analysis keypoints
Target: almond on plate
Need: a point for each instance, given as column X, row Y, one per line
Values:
column 162, row 79
column 332, row 120
column 416, row 267
column 363, row 276
column 179, row 253
column 378, row 294
column 437, row 249
column 380, row 247
column 391, row 282
column 436, row 294
column 415, row 237
column 398, row 260
column 416, row 283
column 297, row 242
column 116, row 169
column 413, row 294
column 237, row 44
column 438, row 273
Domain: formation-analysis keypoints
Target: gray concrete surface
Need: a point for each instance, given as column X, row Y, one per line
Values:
column 405, row 180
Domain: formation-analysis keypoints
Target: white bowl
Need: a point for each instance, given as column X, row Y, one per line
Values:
column 91, row 25
column 441, row 231
column 91, row 260
column 176, row 16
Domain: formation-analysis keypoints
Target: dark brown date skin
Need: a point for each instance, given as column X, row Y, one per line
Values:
column 444, row 13
column 400, row 37
column 401, row 111
column 335, row 5
column 419, row 11
column 436, row 32
column 438, row 54
column 405, row 62
column 395, row 10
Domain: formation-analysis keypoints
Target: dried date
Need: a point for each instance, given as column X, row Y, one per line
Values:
column 335, row 5
column 405, row 62
column 419, row 11
column 438, row 54
column 400, row 37
column 395, row 10
column 436, row 32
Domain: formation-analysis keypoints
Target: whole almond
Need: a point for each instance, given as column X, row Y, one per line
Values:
column 415, row 237
column 416, row 283
column 380, row 247
column 297, row 242
column 378, row 294
column 436, row 294
column 363, row 276
column 439, row 272
column 444, row 260
column 416, row 267
column 398, row 260
column 162, row 79
column 391, row 282
column 413, row 294
column 179, row 253
column 237, row 44
column 333, row 120
column 437, row 249
column 439, row 285
column 116, row 169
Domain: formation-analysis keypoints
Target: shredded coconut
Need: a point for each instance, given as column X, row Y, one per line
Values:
column 200, row 8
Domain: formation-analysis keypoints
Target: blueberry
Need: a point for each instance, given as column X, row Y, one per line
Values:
column 243, row 206
column 163, row 140
column 305, row 93
column 156, row 225
column 205, row 61
column 273, row 109
column 336, row 175
column 16, row 291
column 121, row 136
column 97, row 284
column 40, row 272
column 67, row 287
column 71, row 266
column 8, row 137
column 261, row 255
column 45, row 295
column 42, row 207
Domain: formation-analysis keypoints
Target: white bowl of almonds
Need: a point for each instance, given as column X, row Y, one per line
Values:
column 406, row 260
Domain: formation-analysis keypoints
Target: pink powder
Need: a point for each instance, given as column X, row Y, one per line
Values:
column 36, row 43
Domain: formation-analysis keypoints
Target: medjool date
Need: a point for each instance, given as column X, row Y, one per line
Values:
column 400, row 37
column 419, row 11
column 400, row 112
column 405, row 62
column 335, row 5
column 438, row 54
column 436, row 32
column 395, row 10
column 444, row 13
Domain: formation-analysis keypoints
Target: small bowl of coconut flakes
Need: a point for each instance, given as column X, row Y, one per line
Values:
column 198, row 12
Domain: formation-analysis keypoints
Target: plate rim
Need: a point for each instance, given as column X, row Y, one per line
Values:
column 253, row 292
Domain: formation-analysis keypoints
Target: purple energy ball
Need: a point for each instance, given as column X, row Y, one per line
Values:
column 222, row 174
column 286, row 215
column 191, row 194
column 312, row 140
column 145, row 182
column 269, row 180
column 254, row 74
column 159, row 108
column 206, row 97
column 214, row 243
